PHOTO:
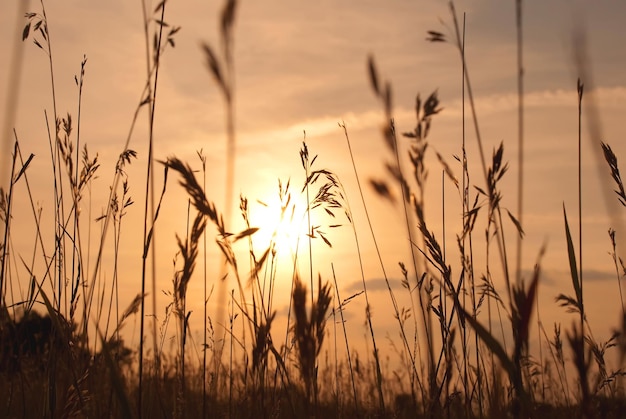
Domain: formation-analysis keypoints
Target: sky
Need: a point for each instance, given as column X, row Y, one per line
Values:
column 300, row 69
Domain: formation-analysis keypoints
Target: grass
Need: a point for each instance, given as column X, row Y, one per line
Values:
column 464, row 347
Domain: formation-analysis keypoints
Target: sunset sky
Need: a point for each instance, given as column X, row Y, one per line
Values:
column 301, row 67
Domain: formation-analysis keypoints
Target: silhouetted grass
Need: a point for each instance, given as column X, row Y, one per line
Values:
column 62, row 350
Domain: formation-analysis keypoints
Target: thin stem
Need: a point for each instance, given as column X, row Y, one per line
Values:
column 580, row 204
column 345, row 335
column 426, row 314
column 520, row 135
column 149, row 205
column 76, row 248
column 58, row 185
column 481, row 153
column 382, row 266
column 442, row 300
column 230, row 357
column 204, row 301
column 308, row 213
column 465, row 217
column 145, row 222
column 617, row 274
column 157, row 66
column 5, row 243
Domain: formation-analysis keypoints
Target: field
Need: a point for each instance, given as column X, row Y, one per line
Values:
column 151, row 281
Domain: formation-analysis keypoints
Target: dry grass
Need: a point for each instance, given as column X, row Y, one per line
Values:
column 62, row 350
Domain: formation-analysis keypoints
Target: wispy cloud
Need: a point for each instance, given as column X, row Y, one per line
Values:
column 374, row 285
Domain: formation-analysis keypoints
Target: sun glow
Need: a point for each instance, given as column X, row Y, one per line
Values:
column 286, row 221
column 282, row 220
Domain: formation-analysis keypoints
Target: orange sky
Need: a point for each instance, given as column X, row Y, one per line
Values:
column 303, row 68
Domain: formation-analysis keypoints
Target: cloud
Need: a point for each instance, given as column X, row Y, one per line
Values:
column 560, row 278
column 375, row 285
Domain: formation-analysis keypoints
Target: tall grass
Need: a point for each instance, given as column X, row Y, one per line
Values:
column 62, row 348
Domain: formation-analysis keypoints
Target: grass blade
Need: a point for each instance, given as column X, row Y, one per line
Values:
column 571, row 253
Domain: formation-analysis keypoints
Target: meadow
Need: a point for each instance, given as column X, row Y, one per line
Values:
column 466, row 337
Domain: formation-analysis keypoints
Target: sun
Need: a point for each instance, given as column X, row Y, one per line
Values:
column 292, row 220
column 282, row 220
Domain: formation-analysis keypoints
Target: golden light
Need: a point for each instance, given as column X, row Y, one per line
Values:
column 283, row 222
